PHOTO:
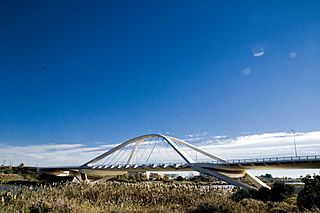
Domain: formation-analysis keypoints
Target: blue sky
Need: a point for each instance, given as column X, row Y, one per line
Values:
column 106, row 71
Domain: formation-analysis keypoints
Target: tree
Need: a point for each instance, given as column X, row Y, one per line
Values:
column 263, row 194
column 179, row 178
column 241, row 193
column 309, row 196
column 281, row 191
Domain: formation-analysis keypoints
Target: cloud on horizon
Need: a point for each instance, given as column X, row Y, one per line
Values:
column 248, row 146
column 268, row 145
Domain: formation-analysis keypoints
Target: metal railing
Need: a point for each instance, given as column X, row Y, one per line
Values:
column 270, row 160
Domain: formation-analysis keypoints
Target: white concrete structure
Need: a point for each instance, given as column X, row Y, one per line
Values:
column 132, row 146
column 156, row 152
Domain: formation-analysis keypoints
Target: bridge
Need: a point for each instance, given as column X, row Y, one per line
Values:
column 156, row 152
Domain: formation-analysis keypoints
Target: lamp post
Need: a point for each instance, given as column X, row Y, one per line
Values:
column 294, row 142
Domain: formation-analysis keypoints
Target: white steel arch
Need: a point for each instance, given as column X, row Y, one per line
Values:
column 173, row 142
column 221, row 173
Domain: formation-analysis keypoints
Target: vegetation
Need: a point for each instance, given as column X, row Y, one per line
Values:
column 133, row 193
column 132, row 197
column 279, row 192
column 309, row 196
column 19, row 174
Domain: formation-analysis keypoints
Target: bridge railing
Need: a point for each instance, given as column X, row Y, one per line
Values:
column 271, row 159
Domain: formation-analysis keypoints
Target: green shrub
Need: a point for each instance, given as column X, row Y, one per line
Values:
column 309, row 196
column 280, row 191
column 180, row 178
column 263, row 194
column 240, row 194
column 210, row 208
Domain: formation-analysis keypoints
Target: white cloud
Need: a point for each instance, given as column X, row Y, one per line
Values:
column 220, row 136
column 268, row 145
column 50, row 154
column 257, row 54
column 246, row 71
column 257, row 51
column 293, row 55
column 248, row 146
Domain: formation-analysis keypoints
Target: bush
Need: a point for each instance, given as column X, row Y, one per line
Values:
column 179, row 178
column 278, row 193
column 309, row 196
column 240, row 194
column 252, row 205
column 209, row 208
column 263, row 194
column 165, row 178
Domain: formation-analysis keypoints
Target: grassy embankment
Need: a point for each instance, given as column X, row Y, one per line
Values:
column 133, row 197
column 19, row 174
column 154, row 196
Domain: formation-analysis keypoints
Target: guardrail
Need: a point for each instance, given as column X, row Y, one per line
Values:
column 268, row 160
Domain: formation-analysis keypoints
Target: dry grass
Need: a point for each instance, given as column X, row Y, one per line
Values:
column 126, row 197
column 4, row 178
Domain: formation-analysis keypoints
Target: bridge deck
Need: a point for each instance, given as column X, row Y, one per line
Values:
column 307, row 162
column 272, row 159
column 256, row 163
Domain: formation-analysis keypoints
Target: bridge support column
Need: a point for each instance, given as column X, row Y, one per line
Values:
column 83, row 176
column 222, row 177
column 256, row 181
